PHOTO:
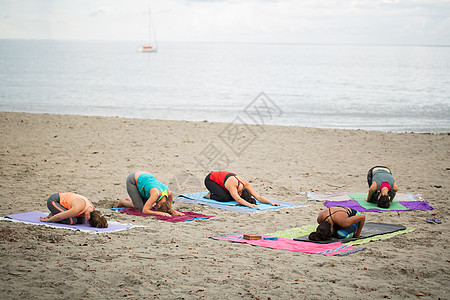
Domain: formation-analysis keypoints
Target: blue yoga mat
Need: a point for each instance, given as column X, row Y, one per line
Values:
column 197, row 198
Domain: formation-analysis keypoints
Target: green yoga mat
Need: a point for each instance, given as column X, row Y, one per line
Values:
column 361, row 199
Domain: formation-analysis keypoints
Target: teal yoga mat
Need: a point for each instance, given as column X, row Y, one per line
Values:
column 232, row 205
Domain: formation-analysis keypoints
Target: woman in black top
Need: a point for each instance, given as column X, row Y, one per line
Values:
column 338, row 221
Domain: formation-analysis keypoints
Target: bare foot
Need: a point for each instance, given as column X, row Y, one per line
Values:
column 207, row 196
column 124, row 202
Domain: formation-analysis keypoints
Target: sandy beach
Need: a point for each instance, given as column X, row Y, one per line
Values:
column 41, row 154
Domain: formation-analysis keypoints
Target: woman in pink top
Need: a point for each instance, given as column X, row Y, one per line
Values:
column 71, row 208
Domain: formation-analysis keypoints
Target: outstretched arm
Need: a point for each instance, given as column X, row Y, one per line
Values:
column 234, row 193
column 258, row 196
column 154, row 195
column 174, row 212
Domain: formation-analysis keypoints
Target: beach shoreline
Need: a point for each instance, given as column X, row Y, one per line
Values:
column 42, row 154
column 239, row 118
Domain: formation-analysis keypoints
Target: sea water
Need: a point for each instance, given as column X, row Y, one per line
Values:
column 387, row 88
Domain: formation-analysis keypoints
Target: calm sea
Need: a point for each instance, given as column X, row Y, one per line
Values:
column 388, row 88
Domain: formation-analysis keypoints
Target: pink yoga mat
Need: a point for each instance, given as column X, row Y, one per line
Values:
column 295, row 246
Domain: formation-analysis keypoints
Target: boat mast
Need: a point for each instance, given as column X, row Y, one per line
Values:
column 149, row 26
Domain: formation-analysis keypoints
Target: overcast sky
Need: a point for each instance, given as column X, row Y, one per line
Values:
column 287, row 21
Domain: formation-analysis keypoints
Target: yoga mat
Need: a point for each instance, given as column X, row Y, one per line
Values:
column 361, row 199
column 327, row 196
column 33, row 218
column 291, row 245
column 188, row 215
column 370, row 229
column 315, row 196
column 307, row 229
column 197, row 198
column 409, row 205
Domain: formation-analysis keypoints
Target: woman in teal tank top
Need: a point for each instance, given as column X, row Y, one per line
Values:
column 148, row 195
column 382, row 186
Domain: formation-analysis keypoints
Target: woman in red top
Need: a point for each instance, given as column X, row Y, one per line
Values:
column 225, row 186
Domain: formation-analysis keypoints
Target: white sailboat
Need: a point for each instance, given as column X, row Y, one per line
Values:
column 151, row 46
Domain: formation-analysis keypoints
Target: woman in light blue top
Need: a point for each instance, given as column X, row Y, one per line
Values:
column 145, row 192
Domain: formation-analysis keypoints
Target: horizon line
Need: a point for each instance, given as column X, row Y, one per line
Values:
column 239, row 42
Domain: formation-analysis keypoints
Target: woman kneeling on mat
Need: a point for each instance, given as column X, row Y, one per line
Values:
column 224, row 186
column 145, row 192
column 339, row 222
column 71, row 208
column 382, row 186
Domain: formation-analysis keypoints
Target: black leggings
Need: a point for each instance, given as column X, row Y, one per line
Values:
column 370, row 181
column 55, row 208
column 218, row 193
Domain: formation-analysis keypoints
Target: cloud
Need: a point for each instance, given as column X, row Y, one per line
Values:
column 96, row 13
column 285, row 21
column 205, row 1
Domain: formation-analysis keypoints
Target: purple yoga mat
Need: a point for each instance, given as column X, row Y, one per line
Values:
column 410, row 205
column 188, row 215
column 33, row 217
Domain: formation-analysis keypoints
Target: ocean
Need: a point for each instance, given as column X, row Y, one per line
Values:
column 384, row 88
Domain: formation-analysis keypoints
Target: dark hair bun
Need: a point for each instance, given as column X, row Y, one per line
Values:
column 314, row 236
column 383, row 202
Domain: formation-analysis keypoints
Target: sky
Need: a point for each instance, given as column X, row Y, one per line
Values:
column 404, row 22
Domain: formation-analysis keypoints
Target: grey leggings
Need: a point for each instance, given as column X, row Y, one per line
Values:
column 55, row 207
column 133, row 192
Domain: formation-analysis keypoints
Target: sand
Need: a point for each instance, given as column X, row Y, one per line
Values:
column 41, row 154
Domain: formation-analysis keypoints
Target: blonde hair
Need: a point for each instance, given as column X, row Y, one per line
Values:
column 98, row 220
column 164, row 206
